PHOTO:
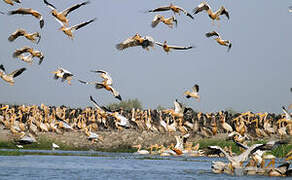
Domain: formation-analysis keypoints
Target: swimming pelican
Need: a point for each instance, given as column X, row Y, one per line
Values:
column 34, row 37
column 194, row 93
column 213, row 15
column 167, row 47
column 173, row 8
column 219, row 39
column 136, row 40
column 168, row 21
column 69, row 30
column 33, row 52
column 9, row 77
column 61, row 17
column 29, row 11
column 55, row 146
column 140, row 151
column 11, row 1
column 63, row 74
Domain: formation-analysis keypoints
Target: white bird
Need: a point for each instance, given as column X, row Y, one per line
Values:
column 10, row 77
column 63, row 74
column 55, row 146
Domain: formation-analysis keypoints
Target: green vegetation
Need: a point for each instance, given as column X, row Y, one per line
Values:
column 126, row 105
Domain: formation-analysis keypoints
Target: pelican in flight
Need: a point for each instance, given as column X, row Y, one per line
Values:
column 34, row 37
column 136, row 40
column 106, row 84
column 29, row 11
column 34, row 53
column 69, row 30
column 219, row 39
column 63, row 74
column 173, row 8
column 11, row 2
column 9, row 77
column 213, row 15
column 194, row 93
column 61, row 17
column 167, row 47
column 168, row 21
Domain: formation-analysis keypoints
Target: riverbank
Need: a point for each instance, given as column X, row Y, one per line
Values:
column 121, row 141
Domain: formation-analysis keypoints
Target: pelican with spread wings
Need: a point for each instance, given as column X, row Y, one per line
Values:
column 69, row 30
column 213, row 15
column 29, row 11
column 61, row 17
column 34, row 53
column 194, row 93
column 136, row 40
column 173, row 8
column 63, row 74
column 167, row 47
column 168, row 21
column 219, row 39
column 10, row 77
column 34, row 37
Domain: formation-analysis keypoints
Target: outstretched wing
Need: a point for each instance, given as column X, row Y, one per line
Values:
column 165, row 8
column 78, row 26
column 159, row 44
column 180, row 47
column 130, row 42
column 195, row 88
column 2, row 68
column 213, row 33
column 49, row 4
column 185, row 12
column 22, row 11
column 94, row 103
column 16, row 34
column 17, row 72
column 18, row 52
column 70, row 9
column 223, row 11
column 201, row 7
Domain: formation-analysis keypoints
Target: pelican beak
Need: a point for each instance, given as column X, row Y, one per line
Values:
column 54, row 72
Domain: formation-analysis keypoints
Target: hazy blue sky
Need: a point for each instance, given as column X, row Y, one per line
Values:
column 255, row 75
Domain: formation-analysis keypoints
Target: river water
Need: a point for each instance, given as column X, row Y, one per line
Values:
column 109, row 166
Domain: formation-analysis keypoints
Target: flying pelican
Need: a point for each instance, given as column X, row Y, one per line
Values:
column 11, row 1
column 33, row 52
column 34, row 37
column 213, row 15
column 167, row 47
column 194, row 93
column 136, row 40
column 173, row 8
column 25, row 11
column 106, row 84
column 287, row 115
column 61, row 17
column 219, row 39
column 168, row 21
column 107, row 79
column 63, row 74
column 9, row 77
column 69, row 30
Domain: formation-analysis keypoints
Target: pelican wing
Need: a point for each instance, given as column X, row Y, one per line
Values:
column 222, row 11
column 252, row 149
column 2, row 68
column 70, row 9
column 100, row 71
column 241, row 145
column 156, row 20
column 147, row 41
column 78, row 26
column 16, row 34
column 18, row 52
column 221, row 150
column 49, row 4
column 213, row 33
column 130, row 42
column 195, row 88
column 201, row 7
column 287, row 115
column 185, row 12
column 180, row 47
column 17, row 72
column 165, row 8
column 159, row 44
column 177, row 106
column 95, row 103
column 22, row 11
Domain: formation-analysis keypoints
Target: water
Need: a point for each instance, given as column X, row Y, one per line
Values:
column 109, row 166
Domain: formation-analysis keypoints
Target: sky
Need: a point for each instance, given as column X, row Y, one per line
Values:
column 253, row 76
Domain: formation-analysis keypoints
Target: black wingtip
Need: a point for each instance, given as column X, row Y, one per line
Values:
column 42, row 23
column 119, row 97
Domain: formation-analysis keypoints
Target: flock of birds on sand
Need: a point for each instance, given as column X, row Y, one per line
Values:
column 26, row 122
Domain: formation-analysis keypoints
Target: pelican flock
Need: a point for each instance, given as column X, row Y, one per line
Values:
column 180, row 122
